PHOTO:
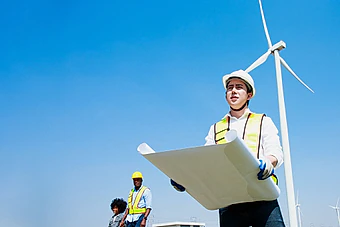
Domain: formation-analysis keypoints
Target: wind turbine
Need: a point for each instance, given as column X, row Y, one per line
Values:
column 298, row 209
column 337, row 209
column 274, row 49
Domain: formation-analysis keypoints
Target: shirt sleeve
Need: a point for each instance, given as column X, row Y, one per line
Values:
column 118, row 218
column 210, row 138
column 270, row 141
column 148, row 198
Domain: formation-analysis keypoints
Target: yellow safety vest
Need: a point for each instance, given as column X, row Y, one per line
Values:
column 133, row 208
column 251, row 133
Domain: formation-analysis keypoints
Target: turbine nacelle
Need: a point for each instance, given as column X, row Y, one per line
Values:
column 278, row 46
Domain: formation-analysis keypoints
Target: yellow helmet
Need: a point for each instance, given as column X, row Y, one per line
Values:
column 137, row 175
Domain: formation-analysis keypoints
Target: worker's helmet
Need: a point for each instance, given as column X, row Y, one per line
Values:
column 243, row 76
column 137, row 175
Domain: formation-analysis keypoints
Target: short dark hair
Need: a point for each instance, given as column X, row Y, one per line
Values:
column 120, row 204
column 249, row 88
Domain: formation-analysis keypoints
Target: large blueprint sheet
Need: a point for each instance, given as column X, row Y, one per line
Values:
column 216, row 176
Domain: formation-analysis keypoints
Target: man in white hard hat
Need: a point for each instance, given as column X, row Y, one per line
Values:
column 261, row 136
column 139, row 203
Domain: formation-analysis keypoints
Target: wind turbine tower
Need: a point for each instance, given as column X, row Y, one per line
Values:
column 274, row 50
column 337, row 210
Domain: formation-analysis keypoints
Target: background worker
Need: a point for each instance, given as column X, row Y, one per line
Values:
column 118, row 207
column 139, row 203
column 261, row 136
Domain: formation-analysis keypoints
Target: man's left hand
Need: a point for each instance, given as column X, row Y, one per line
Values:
column 266, row 169
column 143, row 223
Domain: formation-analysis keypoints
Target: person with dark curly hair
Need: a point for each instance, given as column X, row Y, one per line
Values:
column 118, row 207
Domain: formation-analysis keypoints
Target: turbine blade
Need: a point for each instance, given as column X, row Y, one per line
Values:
column 258, row 62
column 332, row 207
column 265, row 26
column 337, row 203
column 297, row 198
column 292, row 72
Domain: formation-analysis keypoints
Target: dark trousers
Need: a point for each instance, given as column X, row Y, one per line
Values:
column 135, row 223
column 255, row 214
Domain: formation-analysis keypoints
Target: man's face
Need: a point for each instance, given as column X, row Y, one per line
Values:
column 115, row 210
column 137, row 182
column 236, row 94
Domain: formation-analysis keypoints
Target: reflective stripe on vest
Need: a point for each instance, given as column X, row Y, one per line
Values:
column 251, row 133
column 134, row 209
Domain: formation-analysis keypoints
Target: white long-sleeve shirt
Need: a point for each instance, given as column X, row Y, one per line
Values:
column 269, row 142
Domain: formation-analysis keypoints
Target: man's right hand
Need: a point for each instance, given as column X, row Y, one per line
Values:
column 121, row 224
column 177, row 186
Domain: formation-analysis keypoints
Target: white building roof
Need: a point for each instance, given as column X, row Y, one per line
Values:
column 178, row 223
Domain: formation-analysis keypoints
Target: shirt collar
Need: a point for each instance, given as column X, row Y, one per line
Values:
column 245, row 114
column 134, row 188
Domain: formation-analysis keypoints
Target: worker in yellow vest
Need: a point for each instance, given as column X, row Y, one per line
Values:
column 139, row 203
column 261, row 136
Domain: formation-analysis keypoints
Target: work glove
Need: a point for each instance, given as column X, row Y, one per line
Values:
column 177, row 186
column 266, row 169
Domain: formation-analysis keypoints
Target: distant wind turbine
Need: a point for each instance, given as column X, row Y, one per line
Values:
column 337, row 210
column 274, row 49
column 298, row 205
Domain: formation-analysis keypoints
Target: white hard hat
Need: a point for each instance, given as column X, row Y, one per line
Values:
column 242, row 75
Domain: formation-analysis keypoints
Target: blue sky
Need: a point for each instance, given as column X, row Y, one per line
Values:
column 82, row 84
